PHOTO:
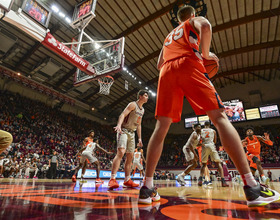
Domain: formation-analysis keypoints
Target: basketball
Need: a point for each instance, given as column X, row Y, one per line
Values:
column 211, row 66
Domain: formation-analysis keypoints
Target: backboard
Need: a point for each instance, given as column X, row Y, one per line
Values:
column 107, row 57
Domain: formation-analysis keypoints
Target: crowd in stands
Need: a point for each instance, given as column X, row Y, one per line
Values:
column 38, row 130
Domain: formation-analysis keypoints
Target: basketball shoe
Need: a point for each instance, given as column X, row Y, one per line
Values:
column 113, row 184
column 180, row 179
column 130, row 184
column 98, row 180
column 260, row 195
column 74, row 178
column 147, row 196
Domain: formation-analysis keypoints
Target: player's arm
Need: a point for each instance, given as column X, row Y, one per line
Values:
column 191, row 144
column 101, row 148
column 215, row 137
column 130, row 107
column 85, row 141
column 160, row 59
column 139, row 132
column 204, row 29
column 265, row 141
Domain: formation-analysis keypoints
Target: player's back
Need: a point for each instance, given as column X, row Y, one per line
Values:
column 195, row 142
column 207, row 136
column 183, row 41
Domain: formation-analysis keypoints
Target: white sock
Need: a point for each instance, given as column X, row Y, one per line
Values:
column 126, row 178
column 182, row 174
column 249, row 179
column 148, row 181
column 113, row 176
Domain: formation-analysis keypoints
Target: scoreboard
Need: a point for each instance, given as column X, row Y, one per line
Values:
column 37, row 11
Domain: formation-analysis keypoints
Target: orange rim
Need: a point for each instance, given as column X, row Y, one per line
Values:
column 110, row 77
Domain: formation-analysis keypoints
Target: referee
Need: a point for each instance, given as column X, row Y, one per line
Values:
column 53, row 164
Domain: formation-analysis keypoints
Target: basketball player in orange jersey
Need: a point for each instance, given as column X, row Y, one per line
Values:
column 89, row 146
column 138, row 155
column 182, row 74
column 190, row 154
column 129, row 122
column 253, row 146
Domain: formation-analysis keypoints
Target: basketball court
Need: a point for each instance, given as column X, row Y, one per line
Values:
column 62, row 199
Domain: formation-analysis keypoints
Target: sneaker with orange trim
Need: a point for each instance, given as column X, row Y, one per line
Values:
column 99, row 180
column 130, row 184
column 113, row 184
column 74, row 178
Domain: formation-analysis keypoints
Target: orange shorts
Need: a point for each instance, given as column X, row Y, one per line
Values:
column 182, row 77
column 252, row 159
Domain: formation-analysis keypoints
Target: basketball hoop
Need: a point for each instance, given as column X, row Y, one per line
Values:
column 105, row 84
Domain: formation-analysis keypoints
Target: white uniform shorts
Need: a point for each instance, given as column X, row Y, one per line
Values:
column 89, row 156
column 126, row 140
column 188, row 154
column 137, row 164
column 210, row 150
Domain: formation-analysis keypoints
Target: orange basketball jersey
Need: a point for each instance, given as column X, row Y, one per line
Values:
column 183, row 41
column 89, row 140
column 253, row 146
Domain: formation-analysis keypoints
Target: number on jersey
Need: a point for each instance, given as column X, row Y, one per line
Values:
column 175, row 34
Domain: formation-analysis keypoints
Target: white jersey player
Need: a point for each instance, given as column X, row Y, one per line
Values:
column 209, row 138
column 89, row 145
column 129, row 122
column 190, row 154
column 138, row 155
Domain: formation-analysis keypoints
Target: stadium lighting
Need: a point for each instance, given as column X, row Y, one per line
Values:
column 68, row 20
column 140, row 82
column 18, row 74
column 55, row 9
column 125, row 69
column 146, row 87
column 97, row 46
column 61, row 14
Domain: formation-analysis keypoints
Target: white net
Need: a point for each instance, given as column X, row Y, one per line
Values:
column 105, row 84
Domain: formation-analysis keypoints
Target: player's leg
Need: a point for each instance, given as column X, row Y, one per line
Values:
column 232, row 144
column 121, row 149
column 98, row 167
column 216, row 158
column 181, row 177
column 221, row 171
column 154, row 151
column 117, row 161
column 84, row 168
column 264, row 179
column 204, row 158
column 116, row 164
column 130, row 149
column 81, row 164
column 155, row 147
column 202, row 172
column 168, row 109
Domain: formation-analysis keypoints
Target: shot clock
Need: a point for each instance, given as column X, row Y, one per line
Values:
column 37, row 11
